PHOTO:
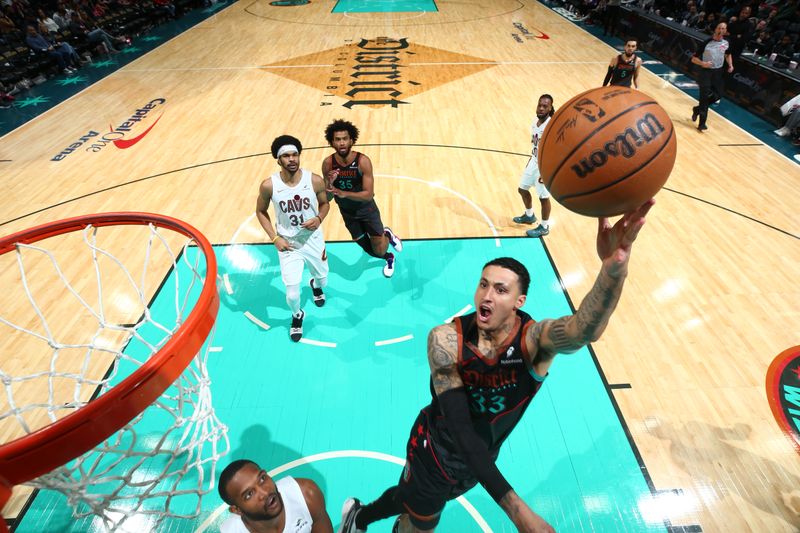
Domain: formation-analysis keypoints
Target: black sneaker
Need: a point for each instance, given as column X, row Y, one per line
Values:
column 702, row 127
column 319, row 296
column 296, row 331
column 350, row 510
column 695, row 113
column 394, row 240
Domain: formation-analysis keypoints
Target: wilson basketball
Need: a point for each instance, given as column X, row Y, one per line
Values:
column 607, row 151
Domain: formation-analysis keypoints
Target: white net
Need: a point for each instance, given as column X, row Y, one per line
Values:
column 81, row 312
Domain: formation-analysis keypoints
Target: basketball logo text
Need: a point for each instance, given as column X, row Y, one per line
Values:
column 647, row 129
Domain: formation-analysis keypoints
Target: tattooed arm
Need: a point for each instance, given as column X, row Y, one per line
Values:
column 568, row 334
column 442, row 356
column 523, row 517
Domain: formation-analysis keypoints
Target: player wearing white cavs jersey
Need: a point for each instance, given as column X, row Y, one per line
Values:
column 301, row 205
column 530, row 176
column 260, row 505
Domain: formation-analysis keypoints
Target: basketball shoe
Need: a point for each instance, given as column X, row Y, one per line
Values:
column 394, row 240
column 524, row 219
column 319, row 296
column 538, row 231
column 350, row 510
column 296, row 331
column 388, row 269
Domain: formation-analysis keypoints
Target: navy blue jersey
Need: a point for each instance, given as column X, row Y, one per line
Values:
column 350, row 179
column 499, row 391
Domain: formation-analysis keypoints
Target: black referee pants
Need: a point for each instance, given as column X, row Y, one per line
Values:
column 711, row 85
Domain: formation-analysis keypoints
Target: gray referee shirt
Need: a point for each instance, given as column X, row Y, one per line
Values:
column 715, row 51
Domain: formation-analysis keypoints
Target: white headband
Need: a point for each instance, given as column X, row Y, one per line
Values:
column 286, row 148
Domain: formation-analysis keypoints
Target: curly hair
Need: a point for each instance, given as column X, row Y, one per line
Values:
column 341, row 125
column 552, row 107
column 285, row 139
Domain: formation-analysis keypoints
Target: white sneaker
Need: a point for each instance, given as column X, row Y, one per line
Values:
column 388, row 269
column 394, row 240
column 782, row 132
column 349, row 511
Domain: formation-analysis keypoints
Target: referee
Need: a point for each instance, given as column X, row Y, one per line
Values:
column 711, row 56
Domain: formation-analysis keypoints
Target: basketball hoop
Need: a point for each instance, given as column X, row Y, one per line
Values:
column 167, row 363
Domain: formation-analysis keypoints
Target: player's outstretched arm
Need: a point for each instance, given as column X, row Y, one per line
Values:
column 570, row 333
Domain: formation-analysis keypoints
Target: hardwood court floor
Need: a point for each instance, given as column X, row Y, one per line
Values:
column 712, row 293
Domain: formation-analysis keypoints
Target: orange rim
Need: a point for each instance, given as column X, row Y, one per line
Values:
column 39, row 452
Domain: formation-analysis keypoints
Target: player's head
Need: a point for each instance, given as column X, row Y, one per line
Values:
column 544, row 108
column 341, row 135
column 286, row 149
column 502, row 290
column 630, row 46
column 249, row 491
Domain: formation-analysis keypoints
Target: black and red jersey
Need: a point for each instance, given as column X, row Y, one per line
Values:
column 350, row 179
column 499, row 390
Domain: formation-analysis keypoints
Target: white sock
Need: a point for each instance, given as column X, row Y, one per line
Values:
column 546, row 224
column 293, row 299
column 529, row 212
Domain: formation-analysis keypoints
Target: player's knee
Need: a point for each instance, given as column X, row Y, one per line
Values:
column 379, row 245
column 293, row 294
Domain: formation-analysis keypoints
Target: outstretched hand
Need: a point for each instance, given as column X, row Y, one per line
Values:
column 614, row 242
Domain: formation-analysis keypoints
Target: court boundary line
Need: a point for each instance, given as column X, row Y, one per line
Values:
column 422, row 145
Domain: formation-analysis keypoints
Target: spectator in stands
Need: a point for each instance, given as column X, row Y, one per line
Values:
column 690, row 16
column 168, row 8
column 47, row 26
column 711, row 23
column 64, row 54
column 90, row 33
column 7, row 25
column 611, row 20
column 62, row 18
column 763, row 42
column 784, row 47
column 791, row 110
column 700, row 24
column 740, row 30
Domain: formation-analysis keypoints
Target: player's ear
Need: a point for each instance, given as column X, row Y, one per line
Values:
column 235, row 510
column 520, row 301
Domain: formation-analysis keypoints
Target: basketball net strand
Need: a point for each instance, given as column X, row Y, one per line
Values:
column 161, row 463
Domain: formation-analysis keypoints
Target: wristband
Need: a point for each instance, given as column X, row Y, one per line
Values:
column 276, row 238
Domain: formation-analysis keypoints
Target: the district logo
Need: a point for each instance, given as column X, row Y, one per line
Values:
column 783, row 392
column 284, row 3
column 119, row 136
column 378, row 72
